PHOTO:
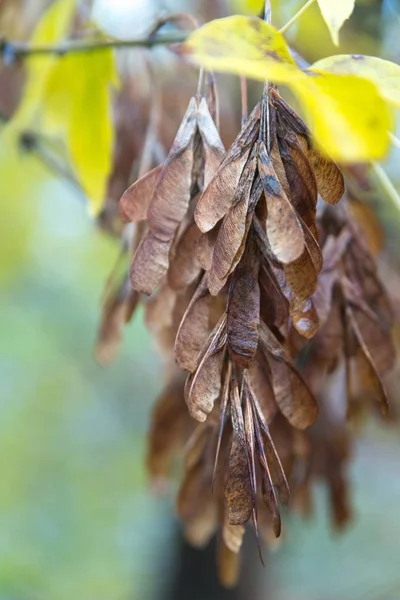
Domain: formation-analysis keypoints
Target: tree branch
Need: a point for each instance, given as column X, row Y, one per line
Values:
column 16, row 50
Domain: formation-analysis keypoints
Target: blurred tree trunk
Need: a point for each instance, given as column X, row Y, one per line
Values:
column 196, row 578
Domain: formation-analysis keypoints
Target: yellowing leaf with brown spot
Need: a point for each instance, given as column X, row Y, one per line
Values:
column 384, row 73
column 242, row 45
column 347, row 116
column 335, row 13
column 77, row 104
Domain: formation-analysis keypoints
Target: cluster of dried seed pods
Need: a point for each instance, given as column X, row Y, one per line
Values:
column 226, row 243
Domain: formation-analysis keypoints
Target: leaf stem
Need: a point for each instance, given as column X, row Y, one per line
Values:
column 296, row 16
column 395, row 140
column 386, row 183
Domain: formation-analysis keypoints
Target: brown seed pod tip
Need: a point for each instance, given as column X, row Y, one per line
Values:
column 197, row 413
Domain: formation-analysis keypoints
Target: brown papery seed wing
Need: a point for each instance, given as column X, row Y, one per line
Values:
column 228, row 565
column 238, row 491
column 184, row 267
column 168, row 428
column 233, row 226
column 292, row 395
column 212, row 145
column 205, row 386
column 370, row 371
column 149, row 263
column 259, row 376
column 193, row 330
column 135, row 201
column 173, row 191
column 243, row 312
column 219, row 195
column 205, row 247
column 329, row 178
column 284, row 231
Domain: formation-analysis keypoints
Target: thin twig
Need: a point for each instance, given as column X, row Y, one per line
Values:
column 293, row 20
column 15, row 50
column 395, row 140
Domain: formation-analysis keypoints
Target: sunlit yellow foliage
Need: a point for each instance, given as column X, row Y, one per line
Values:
column 77, row 104
column 348, row 128
column 385, row 74
column 335, row 13
column 346, row 113
column 52, row 28
column 243, row 45
column 69, row 98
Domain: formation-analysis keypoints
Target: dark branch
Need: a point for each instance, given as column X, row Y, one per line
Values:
column 15, row 50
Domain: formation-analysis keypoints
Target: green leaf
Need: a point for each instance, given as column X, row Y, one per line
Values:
column 385, row 74
column 335, row 13
column 346, row 113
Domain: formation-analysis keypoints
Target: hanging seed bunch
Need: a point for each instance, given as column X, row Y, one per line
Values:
column 234, row 268
column 355, row 316
column 227, row 246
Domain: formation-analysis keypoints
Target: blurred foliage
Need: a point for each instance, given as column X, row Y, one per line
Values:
column 75, row 517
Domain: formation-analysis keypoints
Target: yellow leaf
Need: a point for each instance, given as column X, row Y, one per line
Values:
column 335, row 13
column 51, row 28
column 247, row 7
column 242, row 45
column 348, row 117
column 385, row 74
column 346, row 113
column 77, row 104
